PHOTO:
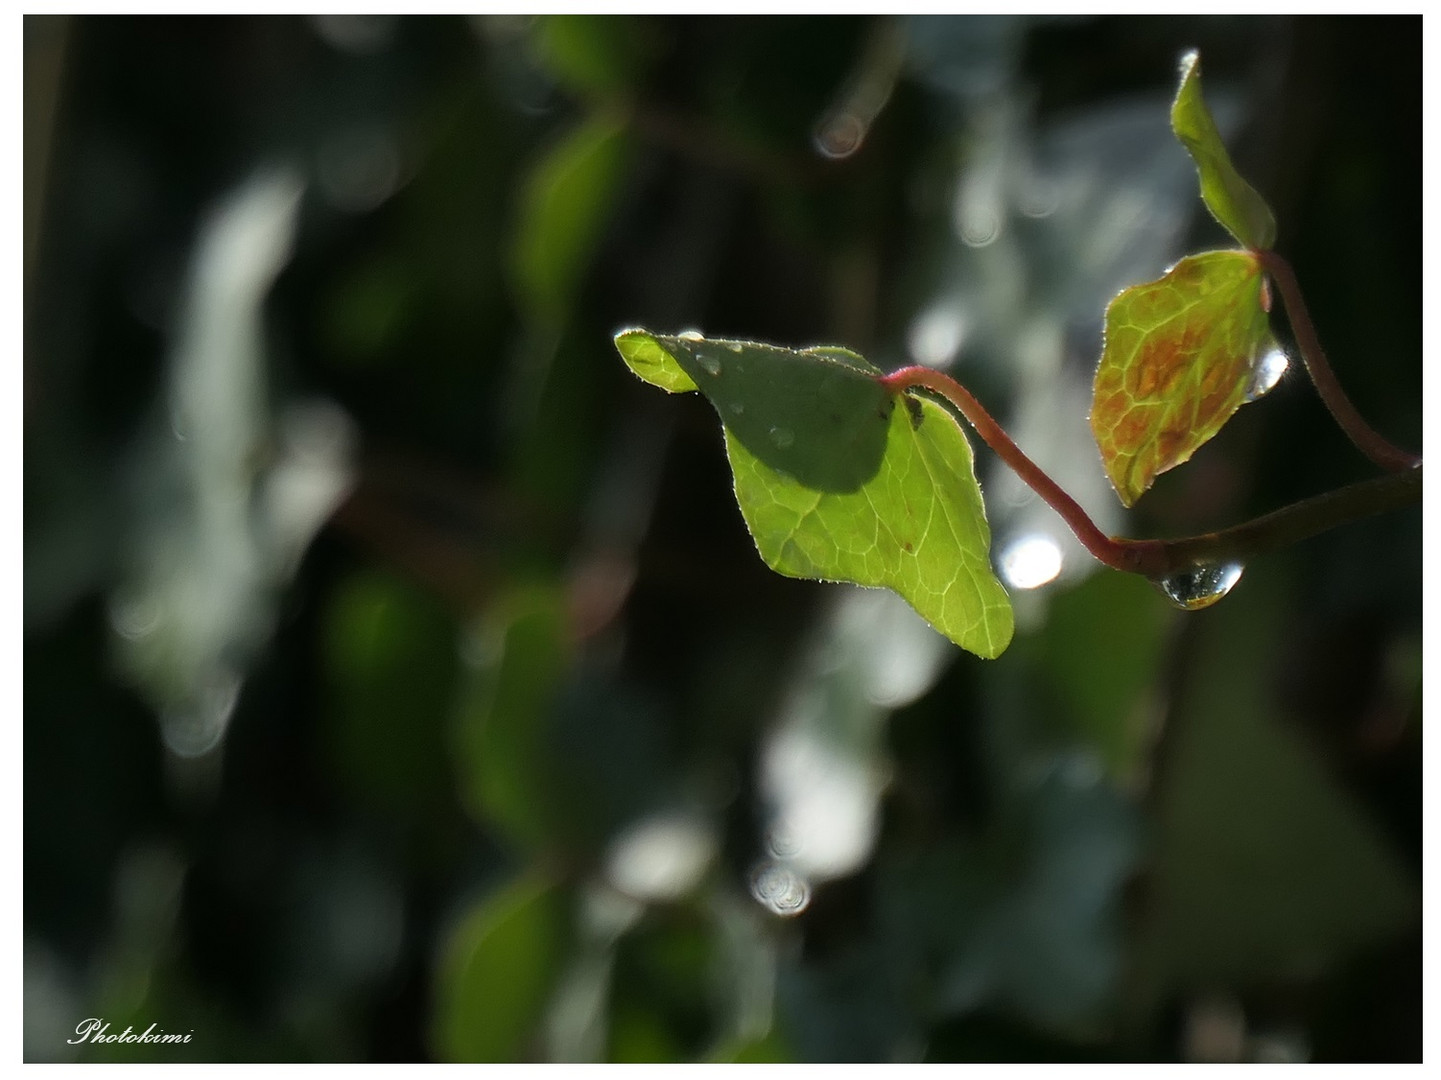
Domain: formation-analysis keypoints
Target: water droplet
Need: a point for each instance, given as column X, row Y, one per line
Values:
column 734, row 346
column 839, row 135
column 1200, row 586
column 135, row 618
column 1267, row 373
column 1039, row 198
column 980, row 228
column 782, row 842
column 691, row 335
column 737, row 408
column 711, row 363
column 1082, row 770
column 782, row 437
column 780, row 888
column 196, row 725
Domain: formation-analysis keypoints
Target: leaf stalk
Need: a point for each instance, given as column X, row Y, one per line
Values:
column 1366, row 439
column 1157, row 558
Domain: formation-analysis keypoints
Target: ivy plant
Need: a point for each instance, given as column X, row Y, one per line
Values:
column 845, row 473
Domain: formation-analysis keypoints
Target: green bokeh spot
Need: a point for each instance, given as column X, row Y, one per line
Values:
column 497, row 973
column 564, row 207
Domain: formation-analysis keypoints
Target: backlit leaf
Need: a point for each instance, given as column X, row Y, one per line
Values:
column 1181, row 355
column 837, row 483
column 1232, row 201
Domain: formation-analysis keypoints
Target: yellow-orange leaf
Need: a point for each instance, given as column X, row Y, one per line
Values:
column 1181, row 355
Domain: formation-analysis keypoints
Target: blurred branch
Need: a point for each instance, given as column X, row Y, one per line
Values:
column 699, row 139
column 1299, row 521
column 443, row 528
column 46, row 41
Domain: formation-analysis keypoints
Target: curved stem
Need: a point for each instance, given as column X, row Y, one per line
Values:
column 1157, row 558
column 1365, row 438
column 1136, row 556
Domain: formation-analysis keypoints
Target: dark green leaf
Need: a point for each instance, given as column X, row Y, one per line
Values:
column 503, row 752
column 389, row 654
column 1265, row 868
column 1099, row 651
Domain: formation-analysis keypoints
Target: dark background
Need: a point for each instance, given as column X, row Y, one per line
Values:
column 370, row 798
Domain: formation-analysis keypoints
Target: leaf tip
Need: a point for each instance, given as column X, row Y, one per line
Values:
column 1233, row 202
column 651, row 361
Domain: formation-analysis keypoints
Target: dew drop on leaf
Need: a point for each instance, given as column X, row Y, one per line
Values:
column 782, row 437
column 734, row 346
column 1200, row 586
column 1267, row 373
column 711, row 363
column 691, row 335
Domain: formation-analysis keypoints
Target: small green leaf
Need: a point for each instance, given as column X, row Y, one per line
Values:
column 1180, row 357
column 1232, row 201
column 837, row 483
column 497, row 973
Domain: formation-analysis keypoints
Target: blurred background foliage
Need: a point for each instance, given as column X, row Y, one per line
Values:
column 401, row 684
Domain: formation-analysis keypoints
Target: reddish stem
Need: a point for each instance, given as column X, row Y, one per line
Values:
column 1135, row 556
column 1365, row 438
column 1157, row 558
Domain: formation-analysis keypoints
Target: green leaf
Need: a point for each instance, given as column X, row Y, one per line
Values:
column 768, row 1049
column 497, row 973
column 503, row 726
column 1265, row 869
column 563, row 212
column 593, row 54
column 390, row 671
column 663, row 988
column 1232, row 201
column 1098, row 655
column 838, row 484
column 1181, row 355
